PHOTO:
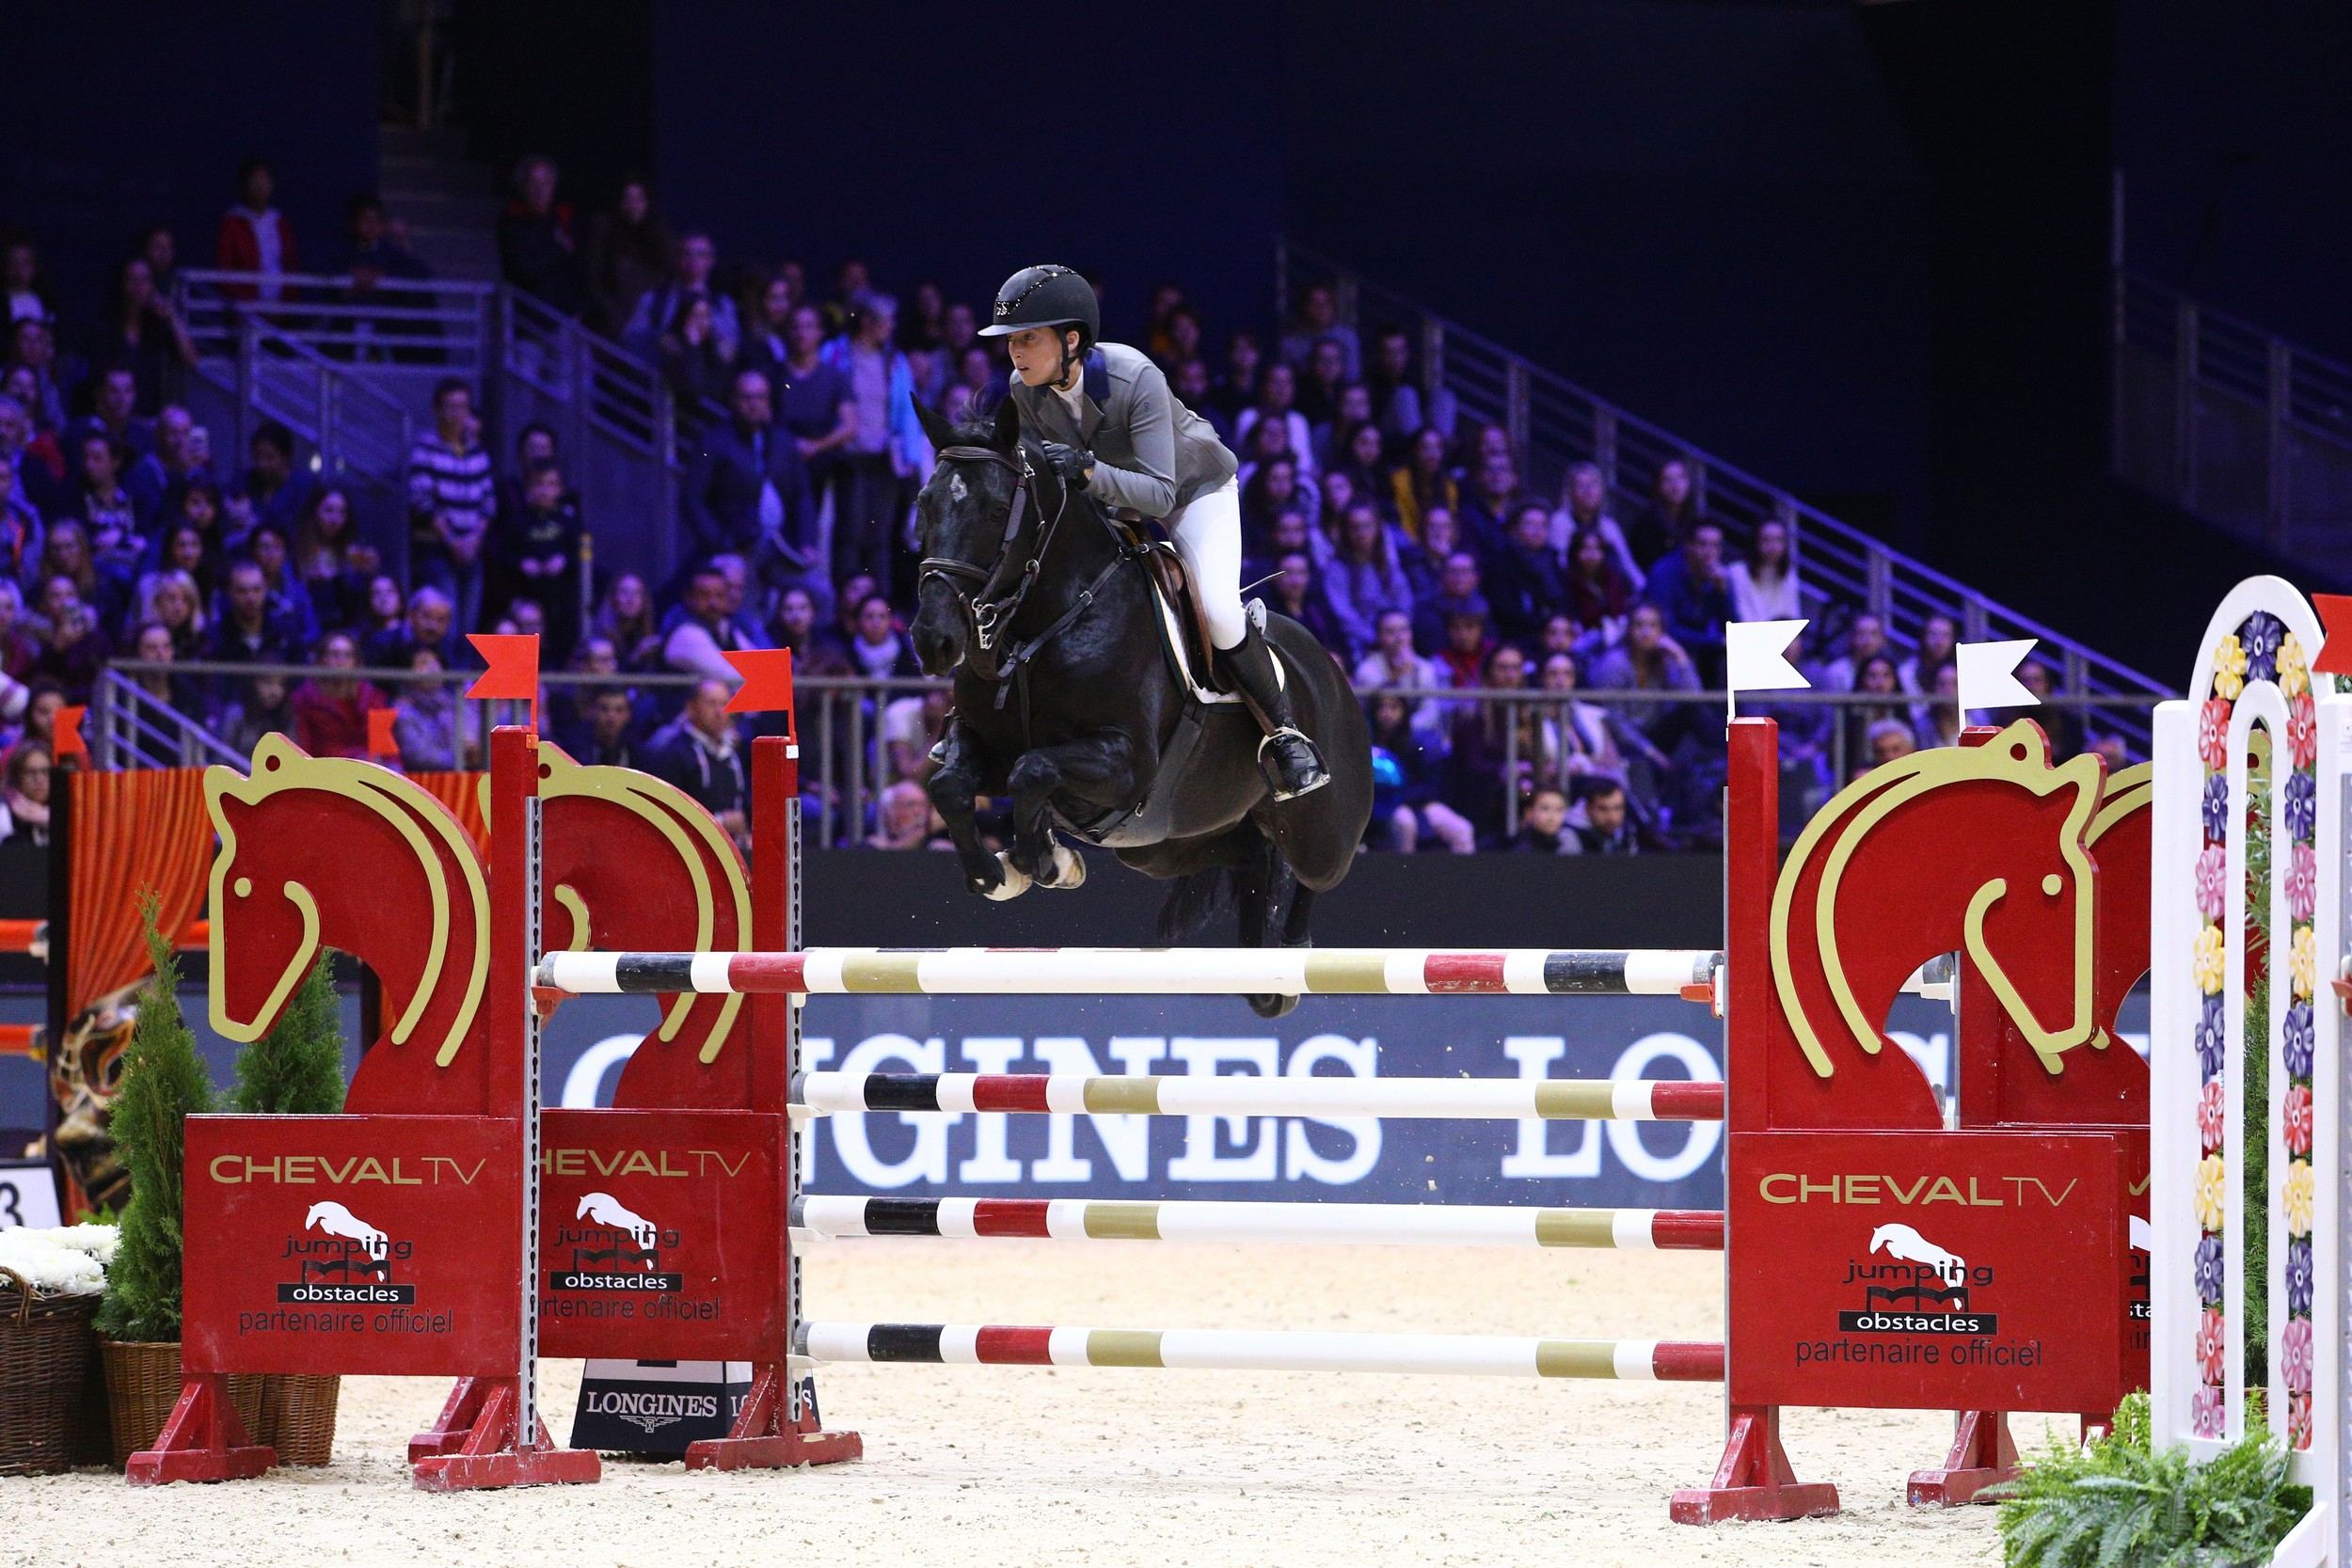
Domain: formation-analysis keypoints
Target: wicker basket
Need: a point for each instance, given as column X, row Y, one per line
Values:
column 298, row 1415
column 142, row 1385
column 45, row 1353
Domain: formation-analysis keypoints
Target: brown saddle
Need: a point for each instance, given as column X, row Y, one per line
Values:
column 1173, row 584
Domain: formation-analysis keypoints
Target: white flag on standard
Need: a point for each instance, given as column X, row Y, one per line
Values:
column 1755, row 656
column 1988, row 674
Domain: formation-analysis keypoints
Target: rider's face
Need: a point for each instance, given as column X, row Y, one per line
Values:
column 1036, row 353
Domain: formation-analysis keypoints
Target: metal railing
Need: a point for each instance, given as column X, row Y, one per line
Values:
column 844, row 765
column 1555, row 423
column 2231, row 422
column 350, row 370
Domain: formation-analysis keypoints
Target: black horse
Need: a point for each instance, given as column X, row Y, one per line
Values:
column 1067, row 698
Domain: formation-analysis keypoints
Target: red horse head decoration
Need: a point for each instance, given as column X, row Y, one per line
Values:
column 629, row 862
column 325, row 852
column 1978, row 847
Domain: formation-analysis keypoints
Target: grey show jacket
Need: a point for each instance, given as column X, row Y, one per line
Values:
column 1153, row 456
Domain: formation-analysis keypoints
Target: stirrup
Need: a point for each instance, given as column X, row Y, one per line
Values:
column 1314, row 775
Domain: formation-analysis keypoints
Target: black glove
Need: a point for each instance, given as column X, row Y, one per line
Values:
column 1070, row 464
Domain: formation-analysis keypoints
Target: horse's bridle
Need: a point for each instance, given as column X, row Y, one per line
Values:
column 989, row 608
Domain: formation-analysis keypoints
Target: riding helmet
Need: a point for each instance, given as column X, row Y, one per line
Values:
column 1045, row 296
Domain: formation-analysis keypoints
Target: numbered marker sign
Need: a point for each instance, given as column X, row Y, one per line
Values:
column 28, row 1194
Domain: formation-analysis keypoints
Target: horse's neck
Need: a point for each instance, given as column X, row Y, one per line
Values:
column 1080, row 548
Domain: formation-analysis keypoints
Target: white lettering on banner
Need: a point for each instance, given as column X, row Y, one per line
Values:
column 1201, row 1161
column 928, row 1160
column 989, row 1161
column 1534, row 1159
column 1625, row 1137
column 1362, row 1059
column 1126, row 1138
column 816, row 1051
column 583, row 1086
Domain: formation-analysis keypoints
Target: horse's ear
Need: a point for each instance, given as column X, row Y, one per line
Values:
column 1007, row 425
column 936, row 430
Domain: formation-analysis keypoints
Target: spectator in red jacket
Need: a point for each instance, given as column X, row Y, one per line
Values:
column 331, row 712
column 255, row 236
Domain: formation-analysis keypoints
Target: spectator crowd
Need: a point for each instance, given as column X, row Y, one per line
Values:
column 1415, row 542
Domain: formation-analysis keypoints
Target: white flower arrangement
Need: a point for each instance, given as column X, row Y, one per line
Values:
column 66, row 1262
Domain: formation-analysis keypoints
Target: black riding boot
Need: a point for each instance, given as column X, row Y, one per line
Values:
column 1292, row 764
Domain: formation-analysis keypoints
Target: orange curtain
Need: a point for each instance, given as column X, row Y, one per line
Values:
column 131, row 832
column 461, row 793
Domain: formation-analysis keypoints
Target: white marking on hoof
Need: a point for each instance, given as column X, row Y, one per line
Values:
column 1016, row 880
column 1069, row 869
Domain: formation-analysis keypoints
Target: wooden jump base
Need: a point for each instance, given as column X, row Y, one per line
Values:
column 1394, row 1223
column 1255, row 1351
column 1143, row 971
column 1178, row 1095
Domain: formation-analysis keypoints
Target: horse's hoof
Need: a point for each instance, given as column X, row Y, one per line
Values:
column 1015, row 882
column 1070, row 869
column 1271, row 1007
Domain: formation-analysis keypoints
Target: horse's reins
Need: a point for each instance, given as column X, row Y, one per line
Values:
column 989, row 608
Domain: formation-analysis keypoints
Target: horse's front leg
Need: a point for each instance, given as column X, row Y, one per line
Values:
column 1099, row 769
column 954, row 787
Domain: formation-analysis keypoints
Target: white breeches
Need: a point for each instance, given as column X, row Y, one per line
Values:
column 1208, row 536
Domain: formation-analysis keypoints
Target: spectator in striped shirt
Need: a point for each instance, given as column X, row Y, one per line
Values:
column 451, row 497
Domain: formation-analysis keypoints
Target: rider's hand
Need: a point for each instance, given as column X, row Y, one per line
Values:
column 1069, row 464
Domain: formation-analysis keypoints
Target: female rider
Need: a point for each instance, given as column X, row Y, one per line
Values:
column 1109, row 424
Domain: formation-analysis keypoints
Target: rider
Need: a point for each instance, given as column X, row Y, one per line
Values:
column 1109, row 425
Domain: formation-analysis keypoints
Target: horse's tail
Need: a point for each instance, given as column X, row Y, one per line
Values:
column 1194, row 900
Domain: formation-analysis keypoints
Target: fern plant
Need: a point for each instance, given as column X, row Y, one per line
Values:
column 164, row 1082
column 2116, row 1503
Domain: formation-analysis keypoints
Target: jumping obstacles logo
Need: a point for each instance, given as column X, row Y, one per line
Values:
column 1915, row 1286
column 614, row 1250
column 334, row 1242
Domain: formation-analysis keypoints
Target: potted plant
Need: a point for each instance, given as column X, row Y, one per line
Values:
column 297, row 1070
column 164, row 1082
column 50, row 1282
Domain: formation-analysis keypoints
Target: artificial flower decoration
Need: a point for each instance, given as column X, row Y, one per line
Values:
column 2208, row 1269
column 2215, row 808
column 2213, row 1339
column 2302, row 881
column 2213, row 881
column 2259, row 637
column 2299, row 1277
column 2208, row 961
column 2209, row 1117
column 2295, row 1118
column 2213, row 735
column 2295, row 1049
column 2204, row 1412
column 2211, row 1193
column 2228, row 668
column 2302, row 732
column 2294, row 1196
column 2294, row 670
column 2303, row 964
column 2300, row 805
column 2294, row 1356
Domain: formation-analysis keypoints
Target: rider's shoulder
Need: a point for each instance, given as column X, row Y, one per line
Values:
column 1122, row 363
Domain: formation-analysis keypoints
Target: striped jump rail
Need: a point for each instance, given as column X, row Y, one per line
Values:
column 1247, row 1351
column 1239, row 1094
column 1143, row 971
column 1392, row 1223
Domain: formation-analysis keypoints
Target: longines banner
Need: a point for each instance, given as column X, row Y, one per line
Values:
column 1657, row 1165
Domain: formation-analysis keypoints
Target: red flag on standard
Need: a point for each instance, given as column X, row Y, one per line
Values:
column 66, row 729
column 766, row 681
column 382, row 742
column 510, row 668
column 2335, row 654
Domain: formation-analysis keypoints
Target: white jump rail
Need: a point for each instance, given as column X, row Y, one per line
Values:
column 1235, row 1095
column 1378, row 1224
column 1143, row 972
column 1247, row 1350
